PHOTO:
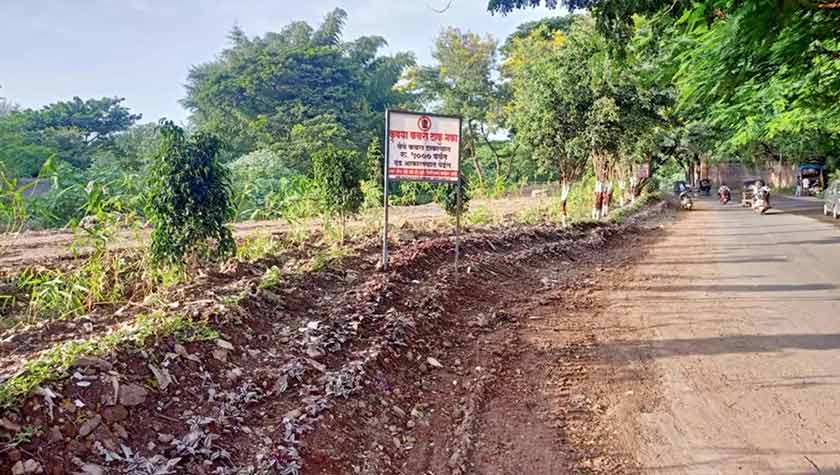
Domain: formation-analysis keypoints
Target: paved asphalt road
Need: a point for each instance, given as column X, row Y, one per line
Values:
column 739, row 317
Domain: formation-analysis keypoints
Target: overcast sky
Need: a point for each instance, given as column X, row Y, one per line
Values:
column 53, row 50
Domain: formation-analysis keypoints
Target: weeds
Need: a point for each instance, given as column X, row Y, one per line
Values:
column 55, row 362
column 272, row 278
column 324, row 257
column 480, row 216
column 258, row 247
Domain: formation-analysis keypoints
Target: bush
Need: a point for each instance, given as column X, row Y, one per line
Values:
column 189, row 197
column 446, row 195
column 338, row 179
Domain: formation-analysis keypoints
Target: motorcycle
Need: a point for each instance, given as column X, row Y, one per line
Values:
column 761, row 202
column 685, row 201
column 725, row 196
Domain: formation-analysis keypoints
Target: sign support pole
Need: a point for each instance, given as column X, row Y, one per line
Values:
column 458, row 225
column 458, row 202
column 385, row 192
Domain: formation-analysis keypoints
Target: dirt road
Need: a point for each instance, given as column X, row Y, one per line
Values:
column 731, row 328
column 42, row 247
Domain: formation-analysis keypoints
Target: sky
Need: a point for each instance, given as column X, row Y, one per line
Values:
column 52, row 50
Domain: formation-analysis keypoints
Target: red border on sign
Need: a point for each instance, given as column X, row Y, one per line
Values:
column 421, row 172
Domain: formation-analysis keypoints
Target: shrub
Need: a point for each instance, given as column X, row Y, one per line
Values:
column 446, row 195
column 189, row 197
column 338, row 179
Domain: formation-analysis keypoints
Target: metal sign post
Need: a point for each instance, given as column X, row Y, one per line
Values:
column 422, row 147
column 385, row 193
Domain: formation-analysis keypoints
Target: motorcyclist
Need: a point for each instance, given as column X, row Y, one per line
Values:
column 724, row 193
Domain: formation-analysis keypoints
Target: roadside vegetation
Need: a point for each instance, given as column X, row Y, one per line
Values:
column 598, row 111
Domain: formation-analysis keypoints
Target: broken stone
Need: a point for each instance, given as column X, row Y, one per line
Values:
column 93, row 469
column 9, row 425
column 165, row 438
column 164, row 379
column 54, row 435
column 89, row 426
column 225, row 345
column 433, row 362
column 30, row 466
column 115, row 414
column 132, row 395
column 17, row 469
column 14, row 455
column 92, row 362
column 120, row 431
column 181, row 351
column 220, row 355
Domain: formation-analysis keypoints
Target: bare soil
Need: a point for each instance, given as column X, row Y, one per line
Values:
column 495, row 370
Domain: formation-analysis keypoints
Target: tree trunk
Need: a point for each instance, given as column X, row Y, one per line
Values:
column 596, row 206
column 564, row 198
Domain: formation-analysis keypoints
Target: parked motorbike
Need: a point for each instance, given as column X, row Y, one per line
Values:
column 685, row 201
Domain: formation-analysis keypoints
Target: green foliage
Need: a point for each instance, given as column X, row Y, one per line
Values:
column 446, row 195
column 257, row 90
column 480, row 216
column 272, row 277
column 338, row 177
column 373, row 185
column 258, row 247
column 189, row 197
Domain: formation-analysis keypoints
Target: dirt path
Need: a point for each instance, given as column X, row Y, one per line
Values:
column 41, row 247
column 731, row 330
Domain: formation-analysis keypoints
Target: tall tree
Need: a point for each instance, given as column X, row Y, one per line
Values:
column 259, row 89
column 462, row 82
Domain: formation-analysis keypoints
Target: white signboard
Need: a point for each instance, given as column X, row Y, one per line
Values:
column 423, row 147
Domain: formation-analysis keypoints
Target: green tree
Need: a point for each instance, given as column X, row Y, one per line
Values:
column 462, row 83
column 78, row 129
column 338, row 174
column 189, row 197
column 259, row 89
column 548, row 109
column 373, row 185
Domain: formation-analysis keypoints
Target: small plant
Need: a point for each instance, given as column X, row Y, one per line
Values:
column 324, row 257
column 338, row 179
column 372, row 187
column 271, row 278
column 189, row 198
column 258, row 247
column 446, row 196
column 480, row 216
column 532, row 216
column 24, row 436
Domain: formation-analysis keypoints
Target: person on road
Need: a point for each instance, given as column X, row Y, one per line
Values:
column 724, row 193
column 760, row 188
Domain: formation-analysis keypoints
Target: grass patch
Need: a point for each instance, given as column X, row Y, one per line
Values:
column 618, row 216
column 322, row 258
column 271, row 278
column 55, row 363
column 479, row 216
column 100, row 279
column 258, row 247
